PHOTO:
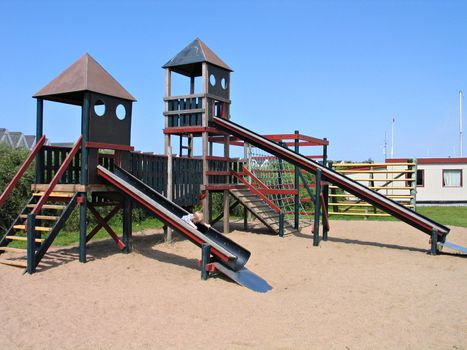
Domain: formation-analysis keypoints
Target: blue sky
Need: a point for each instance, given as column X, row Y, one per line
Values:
column 335, row 69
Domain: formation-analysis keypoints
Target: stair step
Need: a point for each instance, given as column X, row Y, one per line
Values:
column 13, row 250
column 41, row 217
column 37, row 228
column 55, row 194
column 19, row 238
column 13, row 263
column 49, row 206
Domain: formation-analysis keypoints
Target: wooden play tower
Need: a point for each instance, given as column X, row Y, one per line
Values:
column 187, row 116
column 67, row 176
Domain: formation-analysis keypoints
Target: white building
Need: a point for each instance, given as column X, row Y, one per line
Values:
column 442, row 180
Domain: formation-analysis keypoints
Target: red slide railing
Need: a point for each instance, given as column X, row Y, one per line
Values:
column 11, row 185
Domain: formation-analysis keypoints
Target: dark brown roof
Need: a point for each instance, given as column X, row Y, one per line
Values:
column 187, row 61
column 83, row 75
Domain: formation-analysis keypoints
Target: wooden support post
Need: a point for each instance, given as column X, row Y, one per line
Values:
column 127, row 225
column 281, row 224
column 31, row 246
column 325, row 195
column 245, row 219
column 84, row 176
column 280, row 171
column 434, row 242
column 205, row 139
column 226, row 192
column 39, row 133
column 297, row 185
column 82, row 227
column 205, row 257
column 317, row 208
column 168, row 231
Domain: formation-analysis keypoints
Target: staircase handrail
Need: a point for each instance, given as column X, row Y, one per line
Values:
column 76, row 147
column 240, row 177
column 22, row 169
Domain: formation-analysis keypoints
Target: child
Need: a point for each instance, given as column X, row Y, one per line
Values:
column 195, row 218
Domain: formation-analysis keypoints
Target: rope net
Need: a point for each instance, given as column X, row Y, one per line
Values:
column 278, row 174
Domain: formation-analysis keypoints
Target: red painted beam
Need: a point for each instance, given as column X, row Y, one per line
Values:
column 112, row 146
column 22, row 169
column 106, row 219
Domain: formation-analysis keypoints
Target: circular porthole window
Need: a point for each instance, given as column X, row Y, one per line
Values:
column 120, row 112
column 224, row 84
column 212, row 80
column 99, row 108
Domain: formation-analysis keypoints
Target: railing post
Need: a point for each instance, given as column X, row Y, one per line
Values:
column 325, row 195
column 317, row 207
column 168, row 233
column 31, row 243
column 205, row 256
column 297, row 184
column 127, row 222
column 39, row 133
column 281, row 224
column 434, row 242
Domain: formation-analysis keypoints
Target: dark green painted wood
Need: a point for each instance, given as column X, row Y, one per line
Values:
column 317, row 208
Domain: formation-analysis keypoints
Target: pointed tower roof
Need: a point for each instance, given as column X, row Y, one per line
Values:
column 83, row 75
column 186, row 61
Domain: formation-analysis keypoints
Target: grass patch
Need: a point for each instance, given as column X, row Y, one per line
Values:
column 65, row 238
column 446, row 215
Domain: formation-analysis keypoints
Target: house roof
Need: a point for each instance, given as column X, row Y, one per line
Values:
column 15, row 137
column 187, row 61
column 30, row 140
column 439, row 160
column 83, row 75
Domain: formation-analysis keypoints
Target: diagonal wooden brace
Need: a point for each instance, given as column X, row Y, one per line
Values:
column 102, row 222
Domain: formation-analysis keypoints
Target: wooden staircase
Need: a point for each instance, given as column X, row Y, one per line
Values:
column 261, row 210
column 50, row 220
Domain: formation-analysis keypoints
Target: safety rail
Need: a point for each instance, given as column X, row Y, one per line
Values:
column 22, row 169
column 396, row 180
column 241, row 178
column 74, row 150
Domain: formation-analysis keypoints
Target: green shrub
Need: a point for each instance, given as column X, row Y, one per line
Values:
column 10, row 160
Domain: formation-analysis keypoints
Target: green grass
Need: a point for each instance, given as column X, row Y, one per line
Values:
column 446, row 215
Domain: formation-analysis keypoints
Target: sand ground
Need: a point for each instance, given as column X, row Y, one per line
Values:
column 371, row 286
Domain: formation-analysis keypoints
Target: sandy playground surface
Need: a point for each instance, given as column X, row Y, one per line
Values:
column 371, row 286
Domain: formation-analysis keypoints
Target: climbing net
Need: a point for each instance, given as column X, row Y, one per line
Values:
column 277, row 174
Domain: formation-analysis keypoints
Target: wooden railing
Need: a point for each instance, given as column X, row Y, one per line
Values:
column 11, row 185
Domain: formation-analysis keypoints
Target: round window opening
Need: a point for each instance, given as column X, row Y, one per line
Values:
column 212, row 80
column 224, row 83
column 120, row 112
column 99, row 108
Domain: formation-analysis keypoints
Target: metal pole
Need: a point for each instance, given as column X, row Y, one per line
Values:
column 317, row 208
column 461, row 94
column 392, row 137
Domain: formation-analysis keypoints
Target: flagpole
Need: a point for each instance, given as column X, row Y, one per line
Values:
column 392, row 137
column 461, row 94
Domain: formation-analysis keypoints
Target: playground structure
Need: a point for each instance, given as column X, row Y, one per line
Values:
column 395, row 180
column 102, row 169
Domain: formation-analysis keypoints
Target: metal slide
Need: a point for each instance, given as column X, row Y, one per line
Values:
column 377, row 199
column 230, row 258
